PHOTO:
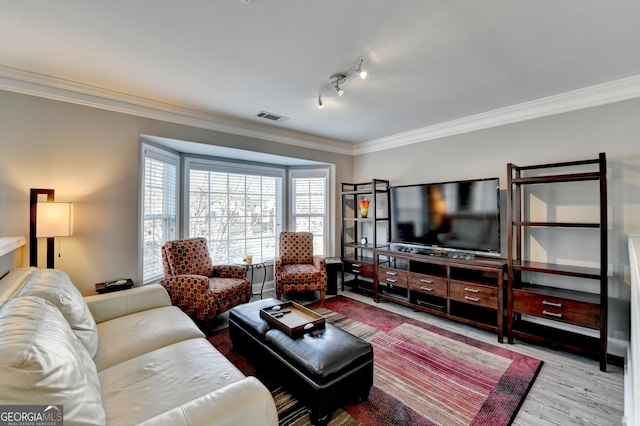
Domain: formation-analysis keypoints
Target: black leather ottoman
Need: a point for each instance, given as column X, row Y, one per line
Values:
column 324, row 370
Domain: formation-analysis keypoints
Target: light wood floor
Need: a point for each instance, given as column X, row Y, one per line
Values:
column 570, row 390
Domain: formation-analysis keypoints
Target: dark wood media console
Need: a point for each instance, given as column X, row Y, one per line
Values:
column 468, row 291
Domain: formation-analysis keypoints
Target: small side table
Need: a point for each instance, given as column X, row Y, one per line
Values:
column 334, row 265
column 107, row 287
column 255, row 264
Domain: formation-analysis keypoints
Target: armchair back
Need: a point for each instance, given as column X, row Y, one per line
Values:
column 296, row 248
column 187, row 257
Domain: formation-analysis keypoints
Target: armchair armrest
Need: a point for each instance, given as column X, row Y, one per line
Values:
column 320, row 262
column 107, row 306
column 246, row 402
column 192, row 294
column 229, row 271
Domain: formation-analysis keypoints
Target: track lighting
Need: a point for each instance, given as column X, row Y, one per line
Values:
column 336, row 79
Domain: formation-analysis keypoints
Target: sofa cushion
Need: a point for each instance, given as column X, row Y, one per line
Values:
column 56, row 287
column 151, row 384
column 42, row 362
column 135, row 334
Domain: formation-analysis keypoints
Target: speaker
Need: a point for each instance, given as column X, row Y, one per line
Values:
column 461, row 256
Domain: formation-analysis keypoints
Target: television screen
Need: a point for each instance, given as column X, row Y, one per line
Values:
column 462, row 215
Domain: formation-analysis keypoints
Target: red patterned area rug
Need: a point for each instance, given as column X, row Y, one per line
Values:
column 423, row 375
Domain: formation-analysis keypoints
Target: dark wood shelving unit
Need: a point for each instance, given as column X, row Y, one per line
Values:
column 585, row 309
column 357, row 257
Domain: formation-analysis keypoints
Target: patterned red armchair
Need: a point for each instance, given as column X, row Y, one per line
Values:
column 296, row 268
column 196, row 286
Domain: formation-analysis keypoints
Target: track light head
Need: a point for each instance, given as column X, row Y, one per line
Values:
column 360, row 71
column 339, row 91
column 320, row 104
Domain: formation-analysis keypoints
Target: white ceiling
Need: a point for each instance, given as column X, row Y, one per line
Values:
column 429, row 62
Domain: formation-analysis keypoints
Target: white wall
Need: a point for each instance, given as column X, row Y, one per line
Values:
column 613, row 129
column 90, row 157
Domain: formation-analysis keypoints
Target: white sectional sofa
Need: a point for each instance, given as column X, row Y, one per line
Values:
column 121, row 358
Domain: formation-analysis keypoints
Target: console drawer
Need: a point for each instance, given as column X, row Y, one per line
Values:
column 428, row 284
column 394, row 277
column 473, row 293
column 576, row 312
column 364, row 269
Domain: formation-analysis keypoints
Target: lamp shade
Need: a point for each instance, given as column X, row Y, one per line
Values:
column 54, row 220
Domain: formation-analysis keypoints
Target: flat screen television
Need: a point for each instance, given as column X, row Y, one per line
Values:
column 461, row 216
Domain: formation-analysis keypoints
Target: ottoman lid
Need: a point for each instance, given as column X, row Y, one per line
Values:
column 247, row 316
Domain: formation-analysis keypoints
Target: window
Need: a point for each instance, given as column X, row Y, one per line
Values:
column 309, row 206
column 159, row 208
column 237, row 208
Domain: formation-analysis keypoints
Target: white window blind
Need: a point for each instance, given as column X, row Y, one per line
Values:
column 309, row 206
column 160, row 201
column 238, row 210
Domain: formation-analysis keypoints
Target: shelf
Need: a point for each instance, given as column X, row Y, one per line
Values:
column 9, row 244
column 579, row 296
column 363, row 259
column 363, row 246
column 581, row 344
column 570, row 177
column 551, row 268
column 559, row 224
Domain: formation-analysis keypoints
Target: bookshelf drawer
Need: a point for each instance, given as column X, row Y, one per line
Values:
column 473, row 293
column 364, row 269
column 566, row 310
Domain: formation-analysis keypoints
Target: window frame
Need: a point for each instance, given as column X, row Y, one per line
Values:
column 310, row 173
column 230, row 166
column 166, row 156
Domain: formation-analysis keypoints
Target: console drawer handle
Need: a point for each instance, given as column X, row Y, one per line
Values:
column 472, row 290
column 426, row 288
column 555, row 305
column 355, row 271
column 473, row 299
column 392, row 273
column 391, row 280
column 355, row 265
column 424, row 280
column 553, row 314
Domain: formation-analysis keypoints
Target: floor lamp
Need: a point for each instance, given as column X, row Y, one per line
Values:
column 48, row 220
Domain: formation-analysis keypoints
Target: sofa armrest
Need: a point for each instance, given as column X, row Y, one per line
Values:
column 246, row 402
column 107, row 306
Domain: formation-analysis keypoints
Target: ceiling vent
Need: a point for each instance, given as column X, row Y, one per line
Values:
column 271, row 116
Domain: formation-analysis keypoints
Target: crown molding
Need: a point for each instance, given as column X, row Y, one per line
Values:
column 602, row 94
column 28, row 83
column 24, row 82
